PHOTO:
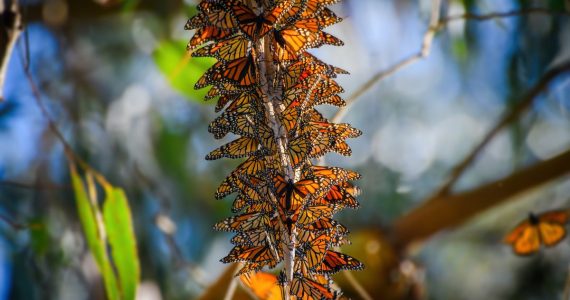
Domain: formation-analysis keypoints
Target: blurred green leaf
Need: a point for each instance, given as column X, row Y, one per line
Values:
column 118, row 224
column 181, row 70
column 88, row 210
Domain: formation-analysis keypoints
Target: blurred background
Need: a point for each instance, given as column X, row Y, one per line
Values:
column 114, row 76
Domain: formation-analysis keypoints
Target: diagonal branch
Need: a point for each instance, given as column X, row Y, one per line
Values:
column 447, row 211
column 436, row 24
column 508, row 118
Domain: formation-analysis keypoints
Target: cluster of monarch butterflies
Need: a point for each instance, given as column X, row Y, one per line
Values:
column 268, row 87
column 547, row 228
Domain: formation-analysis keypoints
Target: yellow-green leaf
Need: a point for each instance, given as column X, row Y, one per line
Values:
column 120, row 233
column 88, row 211
column 182, row 70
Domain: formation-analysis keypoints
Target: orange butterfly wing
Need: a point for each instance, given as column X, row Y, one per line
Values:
column 551, row 226
column 263, row 285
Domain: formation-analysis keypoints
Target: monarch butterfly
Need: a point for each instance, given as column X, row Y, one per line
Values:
column 335, row 174
column 249, row 267
column 250, row 254
column 306, row 289
column 217, row 15
column 239, row 123
column 243, row 222
column 327, row 39
column 546, row 228
column 311, row 214
column 263, row 285
column 314, row 250
column 334, row 262
column 256, row 26
column 208, row 33
column 339, row 195
column 225, row 50
column 246, row 103
column 244, row 146
column 289, row 41
column 256, row 237
column 298, row 150
column 327, row 17
column 240, row 72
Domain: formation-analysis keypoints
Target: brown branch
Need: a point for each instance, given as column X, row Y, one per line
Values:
column 508, row 118
column 435, row 26
column 444, row 212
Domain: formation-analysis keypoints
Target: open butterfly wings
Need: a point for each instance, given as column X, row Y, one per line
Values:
column 268, row 203
column 546, row 229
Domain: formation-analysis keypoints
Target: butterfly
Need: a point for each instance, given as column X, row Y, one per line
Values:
column 289, row 41
column 241, row 72
column 307, row 289
column 256, row 254
column 208, row 33
column 242, row 147
column 244, row 222
column 263, row 285
column 256, row 26
column 334, row 262
column 225, row 50
column 546, row 228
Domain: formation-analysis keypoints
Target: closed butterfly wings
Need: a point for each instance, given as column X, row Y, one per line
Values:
column 544, row 229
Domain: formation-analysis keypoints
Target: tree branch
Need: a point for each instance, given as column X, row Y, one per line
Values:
column 436, row 25
column 444, row 212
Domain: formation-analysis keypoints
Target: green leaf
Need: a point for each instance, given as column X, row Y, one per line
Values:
column 181, row 70
column 118, row 223
column 89, row 214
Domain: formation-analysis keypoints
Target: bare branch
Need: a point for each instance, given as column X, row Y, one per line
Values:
column 435, row 26
column 508, row 118
column 447, row 211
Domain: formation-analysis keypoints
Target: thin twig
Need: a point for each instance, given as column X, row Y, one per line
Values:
column 357, row 286
column 13, row 33
column 22, row 185
column 508, row 118
column 13, row 224
column 426, row 47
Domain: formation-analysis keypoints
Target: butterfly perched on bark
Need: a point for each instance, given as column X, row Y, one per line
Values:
column 546, row 229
